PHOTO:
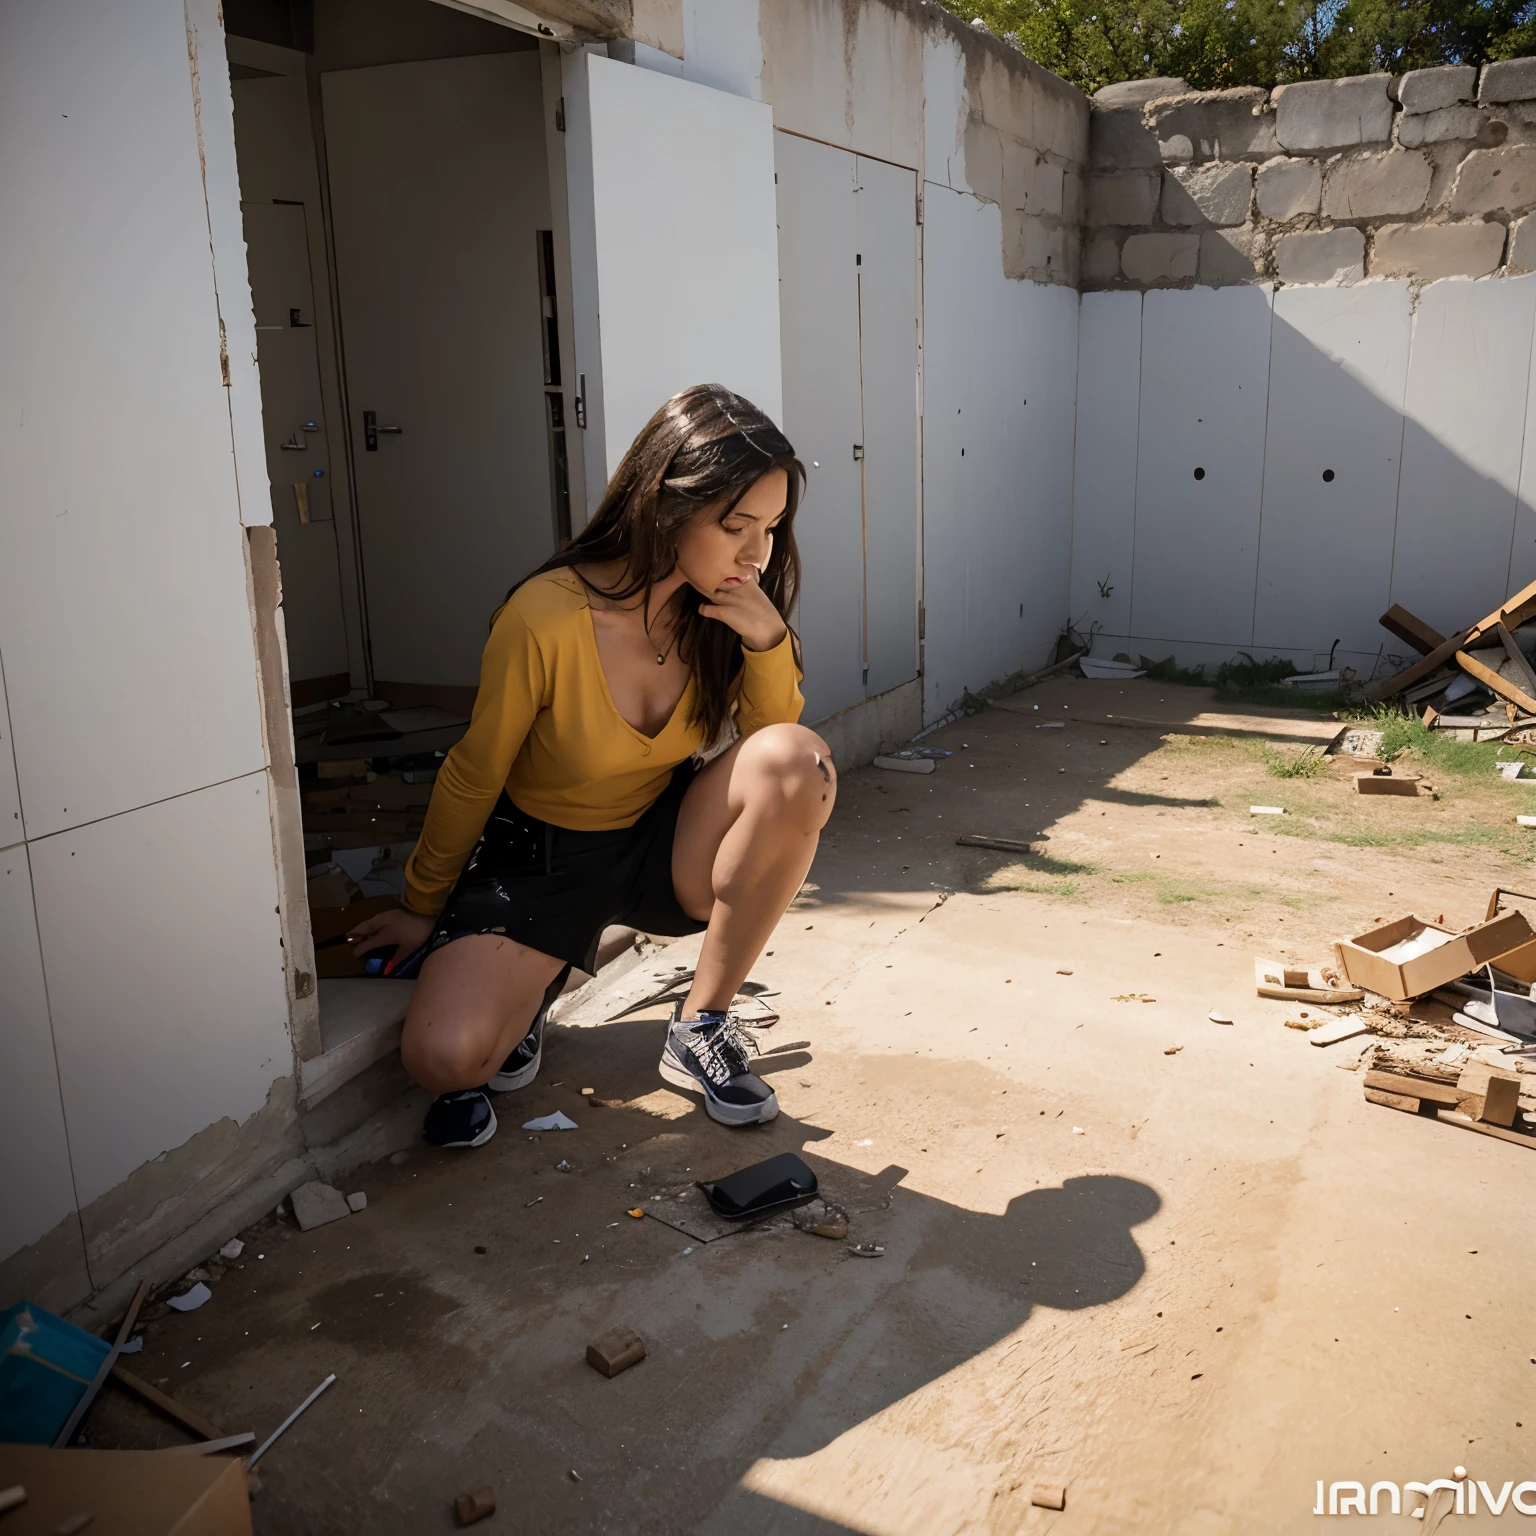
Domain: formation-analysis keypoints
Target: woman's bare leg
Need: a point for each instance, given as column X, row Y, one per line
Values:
column 746, row 834
column 475, row 1000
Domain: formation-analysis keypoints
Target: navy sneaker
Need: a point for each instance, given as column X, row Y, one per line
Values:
column 460, row 1119
column 522, row 1066
column 708, row 1055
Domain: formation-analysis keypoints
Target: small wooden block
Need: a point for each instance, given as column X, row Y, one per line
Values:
column 1049, row 1496
column 1374, row 784
column 616, row 1351
column 1394, row 1101
column 475, row 1506
column 1501, row 1101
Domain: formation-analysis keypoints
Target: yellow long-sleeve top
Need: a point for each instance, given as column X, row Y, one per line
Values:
column 545, row 729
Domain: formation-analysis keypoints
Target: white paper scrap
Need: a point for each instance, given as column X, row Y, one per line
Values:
column 192, row 1300
column 232, row 1249
column 559, row 1121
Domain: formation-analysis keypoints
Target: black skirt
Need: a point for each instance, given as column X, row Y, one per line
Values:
column 555, row 889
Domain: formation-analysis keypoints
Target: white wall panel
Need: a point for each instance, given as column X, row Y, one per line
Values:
column 886, row 214
column 10, row 798
column 37, row 1192
column 1204, row 379
column 1466, row 409
column 685, row 241
column 1338, row 366
column 123, row 613
column 1522, row 555
column 165, row 974
column 999, row 370
column 1104, row 474
column 819, row 312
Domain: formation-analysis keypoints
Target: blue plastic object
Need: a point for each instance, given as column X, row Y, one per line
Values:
column 45, row 1366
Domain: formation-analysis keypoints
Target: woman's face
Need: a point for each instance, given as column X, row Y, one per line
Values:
column 716, row 553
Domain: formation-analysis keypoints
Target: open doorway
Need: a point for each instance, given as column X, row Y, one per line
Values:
column 396, row 161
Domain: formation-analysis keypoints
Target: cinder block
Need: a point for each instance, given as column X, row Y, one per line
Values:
column 1288, row 188
column 1152, row 258
column 1429, row 251
column 983, row 160
column 1137, row 93
column 616, row 1351
column 1212, row 125
column 1428, row 90
column 1119, row 140
column 1031, row 183
column 1207, row 194
column 1333, row 114
column 1371, row 185
column 1230, row 256
column 1438, row 127
column 1522, row 244
column 1125, row 197
column 1101, row 258
column 1496, row 180
column 1509, row 80
column 1321, row 256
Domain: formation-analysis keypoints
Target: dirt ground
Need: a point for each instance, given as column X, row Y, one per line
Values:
column 1182, row 1268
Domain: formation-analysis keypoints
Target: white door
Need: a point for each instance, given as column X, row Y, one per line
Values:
column 849, row 311
column 886, row 262
column 819, row 324
column 297, row 439
column 673, row 248
column 439, row 189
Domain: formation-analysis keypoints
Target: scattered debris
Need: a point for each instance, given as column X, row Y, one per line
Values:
column 894, row 762
column 315, row 1204
column 1061, row 972
column 638, row 1212
column 1334, row 1030
column 866, row 1250
column 357, row 1202
column 1525, row 821
column 1303, row 1023
column 1049, row 1496
column 1077, row 1130
column 616, row 1351
column 1266, row 810
column 562, row 1166
column 232, row 1249
column 1172, row 1050
column 479, row 1505
column 1382, row 781
column 1411, row 957
column 821, row 1219
column 1133, row 997
column 1002, row 844
column 529, row 1204
column 191, row 1300
column 399, row 1157
column 1293, row 984
column 559, row 1121
column 1216, row 1017
column 267, row 1444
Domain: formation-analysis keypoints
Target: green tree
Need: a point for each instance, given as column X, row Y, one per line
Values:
column 1218, row 43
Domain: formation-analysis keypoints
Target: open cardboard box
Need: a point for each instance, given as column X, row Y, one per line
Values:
column 1520, row 962
column 1410, row 957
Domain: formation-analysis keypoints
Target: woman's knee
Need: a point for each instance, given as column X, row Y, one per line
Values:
column 794, row 765
column 443, row 1058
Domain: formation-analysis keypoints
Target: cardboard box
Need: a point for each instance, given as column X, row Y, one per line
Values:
column 1520, row 962
column 1411, row 957
column 129, row 1493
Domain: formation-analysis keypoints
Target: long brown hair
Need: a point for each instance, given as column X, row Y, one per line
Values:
column 706, row 447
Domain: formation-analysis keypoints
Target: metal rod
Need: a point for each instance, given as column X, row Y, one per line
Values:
column 267, row 1444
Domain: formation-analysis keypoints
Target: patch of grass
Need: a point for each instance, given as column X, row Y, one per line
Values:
column 1404, row 735
column 1131, row 879
column 1497, row 838
column 1305, row 764
column 1169, row 671
column 1172, row 897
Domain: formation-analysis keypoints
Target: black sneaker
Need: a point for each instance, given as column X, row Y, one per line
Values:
column 460, row 1119
column 522, row 1066
column 708, row 1055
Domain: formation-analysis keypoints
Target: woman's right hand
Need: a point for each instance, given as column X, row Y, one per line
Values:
column 407, row 931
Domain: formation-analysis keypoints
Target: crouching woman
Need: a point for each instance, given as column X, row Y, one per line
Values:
column 575, row 799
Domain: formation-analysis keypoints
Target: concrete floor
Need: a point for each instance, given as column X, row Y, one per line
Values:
column 1186, row 1285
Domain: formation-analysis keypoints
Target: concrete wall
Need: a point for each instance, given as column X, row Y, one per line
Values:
column 148, row 1065
column 1426, row 175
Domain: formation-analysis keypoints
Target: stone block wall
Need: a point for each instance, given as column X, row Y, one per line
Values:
column 1426, row 175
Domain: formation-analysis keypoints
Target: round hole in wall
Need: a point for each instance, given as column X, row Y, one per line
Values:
column 1328, row 477
column 1199, row 474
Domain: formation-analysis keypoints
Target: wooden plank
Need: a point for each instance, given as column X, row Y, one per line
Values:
column 1422, row 668
column 1501, row 1101
column 1491, row 679
column 1385, row 784
column 1414, row 1087
column 1003, row 844
column 167, row 1405
column 1514, row 611
column 1412, row 629
column 1404, row 1102
column 1467, row 1123
column 1517, row 658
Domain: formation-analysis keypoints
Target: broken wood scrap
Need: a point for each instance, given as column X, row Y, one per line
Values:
column 1387, row 784
column 1495, row 681
column 1002, row 844
column 166, row 1404
column 1408, row 627
column 1296, row 984
column 1425, row 1089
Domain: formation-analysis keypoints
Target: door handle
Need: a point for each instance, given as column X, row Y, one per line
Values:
column 858, row 452
column 372, row 429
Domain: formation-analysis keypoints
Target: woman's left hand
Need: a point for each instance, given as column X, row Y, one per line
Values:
column 748, row 610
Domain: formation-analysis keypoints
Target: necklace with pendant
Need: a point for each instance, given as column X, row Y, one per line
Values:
column 661, row 656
